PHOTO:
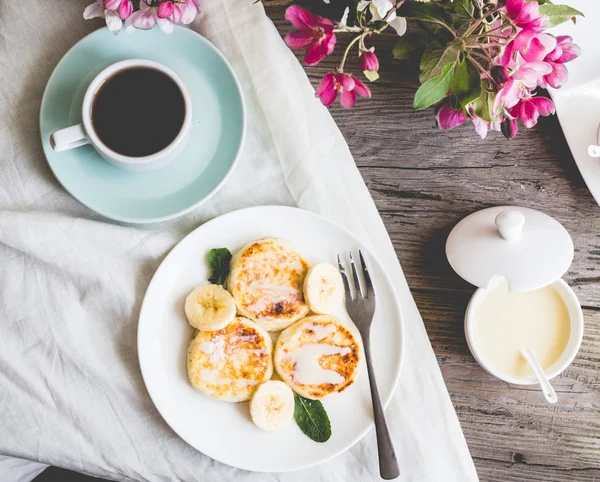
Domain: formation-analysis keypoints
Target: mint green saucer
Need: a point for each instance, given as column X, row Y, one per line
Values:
column 218, row 126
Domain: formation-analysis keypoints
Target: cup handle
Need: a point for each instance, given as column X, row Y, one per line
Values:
column 68, row 138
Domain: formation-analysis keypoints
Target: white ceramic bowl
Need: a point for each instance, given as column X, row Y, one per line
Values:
column 575, row 314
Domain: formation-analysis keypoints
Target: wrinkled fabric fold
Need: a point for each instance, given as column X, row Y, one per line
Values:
column 71, row 392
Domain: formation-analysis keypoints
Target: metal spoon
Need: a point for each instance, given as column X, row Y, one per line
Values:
column 547, row 389
column 594, row 151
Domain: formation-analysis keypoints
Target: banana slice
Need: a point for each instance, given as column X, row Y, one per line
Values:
column 209, row 308
column 323, row 288
column 272, row 405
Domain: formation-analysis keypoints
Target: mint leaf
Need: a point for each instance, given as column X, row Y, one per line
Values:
column 435, row 58
column 427, row 12
column 218, row 262
column 311, row 417
column 558, row 14
column 434, row 89
column 466, row 83
column 410, row 46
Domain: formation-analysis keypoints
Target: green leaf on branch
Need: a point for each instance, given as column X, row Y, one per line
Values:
column 371, row 75
column 410, row 46
column 442, row 34
column 434, row 89
column 558, row 14
column 543, row 2
column 464, row 8
column 435, row 59
column 466, row 84
column 427, row 12
column 484, row 104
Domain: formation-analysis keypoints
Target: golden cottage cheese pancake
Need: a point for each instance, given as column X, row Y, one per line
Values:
column 317, row 356
column 266, row 281
column 231, row 363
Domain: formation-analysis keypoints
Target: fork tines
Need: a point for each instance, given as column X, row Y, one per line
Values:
column 358, row 287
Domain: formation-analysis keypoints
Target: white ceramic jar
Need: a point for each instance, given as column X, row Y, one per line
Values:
column 528, row 249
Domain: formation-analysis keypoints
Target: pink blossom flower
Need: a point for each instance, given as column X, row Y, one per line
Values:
column 165, row 9
column 146, row 17
column 185, row 11
column 557, row 78
column 482, row 127
column 314, row 32
column 529, row 109
column 531, row 74
column 125, row 9
column 94, row 10
column 509, row 128
column 368, row 61
column 538, row 47
column 531, row 45
column 165, row 14
column 380, row 9
column 525, row 14
column 112, row 4
column 508, row 96
column 114, row 12
column 348, row 86
column 565, row 51
column 448, row 118
column 526, row 78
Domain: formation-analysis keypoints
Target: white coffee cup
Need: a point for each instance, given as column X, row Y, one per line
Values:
column 84, row 133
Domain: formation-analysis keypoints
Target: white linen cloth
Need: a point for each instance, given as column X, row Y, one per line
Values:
column 18, row 470
column 71, row 392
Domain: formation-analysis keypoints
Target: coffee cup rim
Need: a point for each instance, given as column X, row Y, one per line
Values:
column 94, row 88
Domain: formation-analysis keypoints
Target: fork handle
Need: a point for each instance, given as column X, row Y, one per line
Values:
column 388, row 465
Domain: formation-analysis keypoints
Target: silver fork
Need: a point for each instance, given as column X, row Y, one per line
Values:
column 361, row 309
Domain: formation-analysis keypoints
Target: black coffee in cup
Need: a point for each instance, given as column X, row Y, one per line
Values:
column 138, row 112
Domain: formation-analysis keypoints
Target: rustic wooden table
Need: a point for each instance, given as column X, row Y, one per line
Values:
column 424, row 181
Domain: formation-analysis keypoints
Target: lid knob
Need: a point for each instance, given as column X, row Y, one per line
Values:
column 526, row 247
column 510, row 224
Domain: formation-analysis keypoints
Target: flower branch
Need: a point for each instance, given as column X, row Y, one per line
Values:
column 481, row 60
column 143, row 14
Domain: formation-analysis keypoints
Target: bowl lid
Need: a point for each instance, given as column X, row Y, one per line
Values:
column 527, row 247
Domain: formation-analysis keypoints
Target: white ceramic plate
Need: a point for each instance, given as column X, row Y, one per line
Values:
column 224, row 431
column 578, row 101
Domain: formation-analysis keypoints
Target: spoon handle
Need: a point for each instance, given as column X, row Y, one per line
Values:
column 547, row 388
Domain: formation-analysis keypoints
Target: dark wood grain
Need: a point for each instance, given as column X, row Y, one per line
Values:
column 424, row 181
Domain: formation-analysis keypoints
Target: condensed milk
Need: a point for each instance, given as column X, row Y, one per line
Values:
column 507, row 322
